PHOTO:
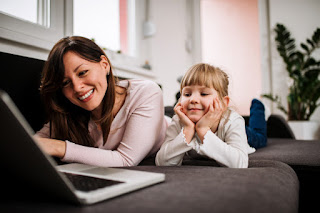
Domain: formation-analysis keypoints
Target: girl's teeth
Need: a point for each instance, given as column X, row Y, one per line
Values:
column 86, row 95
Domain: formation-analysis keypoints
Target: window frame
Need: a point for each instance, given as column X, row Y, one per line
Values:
column 32, row 34
column 21, row 37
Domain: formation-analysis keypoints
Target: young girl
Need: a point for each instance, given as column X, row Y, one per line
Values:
column 203, row 124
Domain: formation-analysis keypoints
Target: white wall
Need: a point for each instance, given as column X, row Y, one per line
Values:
column 301, row 18
column 169, row 57
column 231, row 41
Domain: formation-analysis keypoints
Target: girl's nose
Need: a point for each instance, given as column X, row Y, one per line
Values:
column 194, row 98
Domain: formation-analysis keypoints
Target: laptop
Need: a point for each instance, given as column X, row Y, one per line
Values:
column 76, row 183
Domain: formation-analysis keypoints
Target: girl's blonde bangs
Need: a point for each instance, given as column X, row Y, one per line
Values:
column 198, row 75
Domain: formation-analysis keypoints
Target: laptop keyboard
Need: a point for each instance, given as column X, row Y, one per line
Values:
column 86, row 183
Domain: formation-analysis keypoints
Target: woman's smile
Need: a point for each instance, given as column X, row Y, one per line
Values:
column 87, row 97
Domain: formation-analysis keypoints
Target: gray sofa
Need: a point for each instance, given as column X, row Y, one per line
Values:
column 281, row 177
column 304, row 158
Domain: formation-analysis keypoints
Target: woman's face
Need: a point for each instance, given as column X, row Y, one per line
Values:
column 85, row 82
column 195, row 101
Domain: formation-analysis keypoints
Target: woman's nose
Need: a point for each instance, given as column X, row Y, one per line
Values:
column 77, row 85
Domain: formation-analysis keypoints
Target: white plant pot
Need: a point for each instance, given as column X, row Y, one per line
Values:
column 305, row 130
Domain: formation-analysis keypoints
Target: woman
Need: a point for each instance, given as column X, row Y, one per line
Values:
column 93, row 118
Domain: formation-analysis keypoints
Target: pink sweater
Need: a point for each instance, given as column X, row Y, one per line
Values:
column 137, row 131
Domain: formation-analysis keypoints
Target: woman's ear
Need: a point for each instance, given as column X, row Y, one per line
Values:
column 226, row 100
column 105, row 64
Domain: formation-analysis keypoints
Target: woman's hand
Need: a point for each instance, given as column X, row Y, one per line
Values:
column 188, row 125
column 210, row 120
column 53, row 147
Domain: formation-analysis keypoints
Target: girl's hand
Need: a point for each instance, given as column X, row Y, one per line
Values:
column 211, row 119
column 53, row 147
column 188, row 125
column 186, row 122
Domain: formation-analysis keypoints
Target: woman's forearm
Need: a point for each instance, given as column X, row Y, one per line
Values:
column 53, row 147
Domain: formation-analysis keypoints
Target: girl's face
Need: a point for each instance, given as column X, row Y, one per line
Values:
column 195, row 101
column 85, row 82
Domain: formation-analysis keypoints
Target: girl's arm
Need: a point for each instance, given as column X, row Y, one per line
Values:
column 231, row 152
column 175, row 146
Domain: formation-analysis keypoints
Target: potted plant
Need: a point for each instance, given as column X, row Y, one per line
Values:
column 304, row 74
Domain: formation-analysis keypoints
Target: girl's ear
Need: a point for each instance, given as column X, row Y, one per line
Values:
column 226, row 100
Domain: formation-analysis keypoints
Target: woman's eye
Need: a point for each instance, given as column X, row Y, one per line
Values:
column 83, row 72
column 65, row 83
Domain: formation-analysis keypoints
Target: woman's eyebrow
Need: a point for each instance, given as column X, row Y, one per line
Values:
column 75, row 70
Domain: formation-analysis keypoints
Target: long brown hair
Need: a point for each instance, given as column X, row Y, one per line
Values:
column 68, row 121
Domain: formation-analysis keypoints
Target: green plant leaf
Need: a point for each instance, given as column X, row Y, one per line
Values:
column 299, row 55
column 311, row 43
column 304, row 70
column 277, row 100
column 310, row 62
column 312, row 74
column 305, row 47
column 291, row 47
column 316, row 36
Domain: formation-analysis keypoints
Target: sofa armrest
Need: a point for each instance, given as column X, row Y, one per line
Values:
column 277, row 127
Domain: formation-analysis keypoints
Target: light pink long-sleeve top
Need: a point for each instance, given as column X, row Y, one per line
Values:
column 137, row 131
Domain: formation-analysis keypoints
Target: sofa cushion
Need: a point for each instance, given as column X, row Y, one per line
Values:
column 292, row 152
column 304, row 157
column 266, row 186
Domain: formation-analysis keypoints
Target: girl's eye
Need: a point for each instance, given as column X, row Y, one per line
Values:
column 187, row 94
column 65, row 83
column 82, row 73
column 204, row 94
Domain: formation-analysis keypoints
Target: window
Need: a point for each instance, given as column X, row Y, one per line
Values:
column 38, row 23
column 111, row 23
column 27, row 10
column 32, row 32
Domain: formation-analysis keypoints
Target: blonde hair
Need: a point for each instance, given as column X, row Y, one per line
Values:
column 203, row 74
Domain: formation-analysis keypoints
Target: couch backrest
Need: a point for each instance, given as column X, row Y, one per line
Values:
column 277, row 127
column 20, row 78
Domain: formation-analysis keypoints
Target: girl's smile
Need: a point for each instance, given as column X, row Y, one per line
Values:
column 196, row 100
column 194, row 109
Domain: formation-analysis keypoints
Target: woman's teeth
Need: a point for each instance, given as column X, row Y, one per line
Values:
column 86, row 95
